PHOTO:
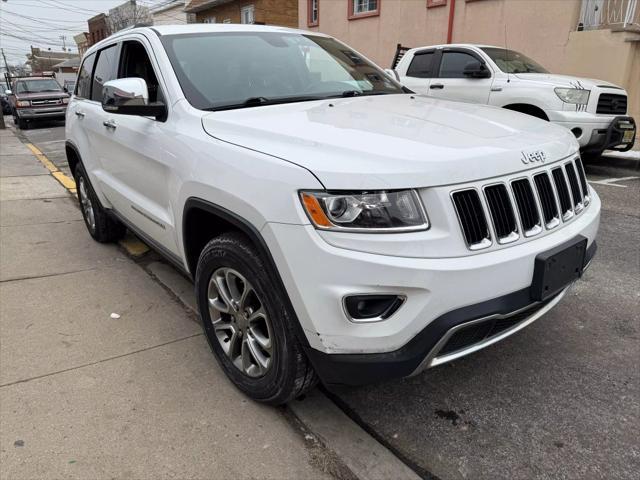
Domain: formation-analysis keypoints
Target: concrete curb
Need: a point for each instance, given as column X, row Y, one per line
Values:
column 364, row 456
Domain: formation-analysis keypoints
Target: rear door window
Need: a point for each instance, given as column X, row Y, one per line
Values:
column 106, row 69
column 422, row 65
column 83, row 87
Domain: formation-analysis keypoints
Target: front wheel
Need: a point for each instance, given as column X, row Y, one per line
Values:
column 247, row 324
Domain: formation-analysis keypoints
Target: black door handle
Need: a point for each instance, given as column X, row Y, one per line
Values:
column 437, row 86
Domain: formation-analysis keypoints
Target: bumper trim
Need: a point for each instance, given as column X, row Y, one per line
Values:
column 433, row 359
column 365, row 368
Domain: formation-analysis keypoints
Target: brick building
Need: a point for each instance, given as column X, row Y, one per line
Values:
column 98, row 28
column 270, row 12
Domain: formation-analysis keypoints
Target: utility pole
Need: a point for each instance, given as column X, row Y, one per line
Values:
column 6, row 65
column 64, row 44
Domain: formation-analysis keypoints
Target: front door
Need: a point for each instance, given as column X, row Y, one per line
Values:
column 135, row 166
column 451, row 82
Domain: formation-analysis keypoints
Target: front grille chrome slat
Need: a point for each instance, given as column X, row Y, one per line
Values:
column 514, row 209
column 547, row 200
column 527, row 207
column 576, row 193
column 563, row 193
column 472, row 219
column 502, row 214
column 583, row 182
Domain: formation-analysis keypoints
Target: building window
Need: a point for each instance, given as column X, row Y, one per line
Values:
column 247, row 14
column 436, row 3
column 313, row 13
column 363, row 8
column 209, row 20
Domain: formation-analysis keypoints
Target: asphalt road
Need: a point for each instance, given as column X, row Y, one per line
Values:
column 560, row 399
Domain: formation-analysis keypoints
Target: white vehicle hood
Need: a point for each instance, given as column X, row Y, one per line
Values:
column 392, row 141
column 565, row 80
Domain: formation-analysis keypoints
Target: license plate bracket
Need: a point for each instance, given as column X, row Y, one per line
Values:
column 557, row 268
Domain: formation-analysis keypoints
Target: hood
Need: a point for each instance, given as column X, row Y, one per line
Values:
column 392, row 141
column 565, row 80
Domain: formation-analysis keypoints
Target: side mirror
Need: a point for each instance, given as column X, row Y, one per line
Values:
column 475, row 69
column 130, row 96
column 8, row 92
column 65, row 89
column 392, row 73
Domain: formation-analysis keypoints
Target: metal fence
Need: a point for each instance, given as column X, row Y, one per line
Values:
column 597, row 14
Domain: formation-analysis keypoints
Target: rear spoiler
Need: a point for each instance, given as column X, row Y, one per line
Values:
column 400, row 51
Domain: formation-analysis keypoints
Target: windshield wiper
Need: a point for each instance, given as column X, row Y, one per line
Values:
column 360, row 93
column 261, row 101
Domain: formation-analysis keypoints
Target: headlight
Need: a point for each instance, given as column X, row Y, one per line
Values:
column 65, row 100
column 573, row 95
column 383, row 211
column 23, row 103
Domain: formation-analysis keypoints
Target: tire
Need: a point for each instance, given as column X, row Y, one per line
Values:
column 102, row 227
column 283, row 372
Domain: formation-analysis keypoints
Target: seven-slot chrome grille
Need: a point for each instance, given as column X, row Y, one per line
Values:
column 521, row 207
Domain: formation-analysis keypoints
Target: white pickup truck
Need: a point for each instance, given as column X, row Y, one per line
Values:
column 594, row 110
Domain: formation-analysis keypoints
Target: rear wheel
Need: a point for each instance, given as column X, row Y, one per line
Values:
column 101, row 226
column 247, row 324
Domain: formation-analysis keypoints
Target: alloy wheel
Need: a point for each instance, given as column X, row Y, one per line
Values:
column 87, row 206
column 240, row 322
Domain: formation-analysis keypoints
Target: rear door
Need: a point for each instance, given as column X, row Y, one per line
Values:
column 420, row 71
column 451, row 83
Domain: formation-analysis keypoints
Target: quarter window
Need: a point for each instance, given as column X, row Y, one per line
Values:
column 421, row 65
column 106, row 69
column 453, row 63
column 83, row 87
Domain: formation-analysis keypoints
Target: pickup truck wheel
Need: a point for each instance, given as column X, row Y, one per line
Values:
column 247, row 324
column 101, row 226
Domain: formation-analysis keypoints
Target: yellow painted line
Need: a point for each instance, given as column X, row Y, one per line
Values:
column 134, row 246
column 66, row 181
column 131, row 244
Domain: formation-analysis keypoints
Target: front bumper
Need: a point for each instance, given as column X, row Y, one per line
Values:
column 440, row 293
column 35, row 113
column 619, row 135
column 496, row 319
column 595, row 133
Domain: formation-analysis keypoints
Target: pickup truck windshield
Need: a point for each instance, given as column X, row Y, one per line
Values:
column 37, row 86
column 510, row 61
column 221, row 71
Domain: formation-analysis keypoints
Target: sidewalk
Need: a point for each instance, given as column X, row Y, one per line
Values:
column 86, row 396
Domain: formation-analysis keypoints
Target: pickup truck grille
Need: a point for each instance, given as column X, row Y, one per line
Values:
column 612, row 104
column 521, row 207
column 46, row 102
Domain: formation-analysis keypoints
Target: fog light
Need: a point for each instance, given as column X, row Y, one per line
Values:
column 371, row 308
column 577, row 132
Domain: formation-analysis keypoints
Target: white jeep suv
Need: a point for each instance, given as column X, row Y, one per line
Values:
column 336, row 225
column 594, row 110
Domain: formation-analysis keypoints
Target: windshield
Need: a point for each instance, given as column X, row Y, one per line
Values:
column 220, row 71
column 37, row 86
column 510, row 61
